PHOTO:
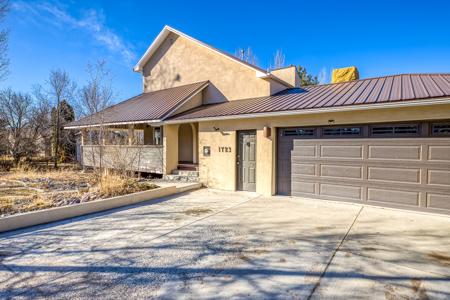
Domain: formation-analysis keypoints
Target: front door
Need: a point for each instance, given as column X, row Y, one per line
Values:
column 246, row 160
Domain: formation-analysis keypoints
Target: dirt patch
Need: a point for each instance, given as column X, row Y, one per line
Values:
column 259, row 251
column 323, row 228
column 197, row 211
column 244, row 257
column 369, row 249
column 440, row 257
column 418, row 289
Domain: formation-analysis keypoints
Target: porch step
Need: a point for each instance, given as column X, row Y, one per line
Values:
column 185, row 173
column 181, row 178
column 187, row 167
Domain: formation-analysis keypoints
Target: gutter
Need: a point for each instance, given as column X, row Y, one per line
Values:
column 398, row 104
column 153, row 122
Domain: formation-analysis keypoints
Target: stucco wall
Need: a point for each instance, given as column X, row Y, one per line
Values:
column 288, row 74
column 219, row 170
column 179, row 61
column 170, row 142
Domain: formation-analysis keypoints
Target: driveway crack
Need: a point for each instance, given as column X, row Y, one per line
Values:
column 334, row 254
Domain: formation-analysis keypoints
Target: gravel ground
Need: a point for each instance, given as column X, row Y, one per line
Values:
column 213, row 244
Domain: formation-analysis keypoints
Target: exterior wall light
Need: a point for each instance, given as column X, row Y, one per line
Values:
column 267, row 131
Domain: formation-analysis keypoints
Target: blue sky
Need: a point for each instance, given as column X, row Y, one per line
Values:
column 379, row 37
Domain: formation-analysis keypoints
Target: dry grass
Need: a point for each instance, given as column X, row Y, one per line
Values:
column 62, row 175
column 24, row 190
column 14, row 204
column 112, row 185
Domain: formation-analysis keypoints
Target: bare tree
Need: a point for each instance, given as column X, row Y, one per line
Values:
column 97, row 93
column 278, row 59
column 246, row 55
column 57, row 88
column 41, row 127
column 93, row 97
column 16, row 114
column 4, row 61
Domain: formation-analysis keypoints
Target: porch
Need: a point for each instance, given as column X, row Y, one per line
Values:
column 143, row 147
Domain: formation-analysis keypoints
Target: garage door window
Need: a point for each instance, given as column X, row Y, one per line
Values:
column 398, row 130
column 341, row 132
column 301, row 132
column 440, row 129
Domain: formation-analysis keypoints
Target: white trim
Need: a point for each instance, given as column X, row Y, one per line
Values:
column 275, row 78
column 422, row 102
column 153, row 122
column 165, row 32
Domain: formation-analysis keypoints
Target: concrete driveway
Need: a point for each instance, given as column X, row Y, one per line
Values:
column 212, row 244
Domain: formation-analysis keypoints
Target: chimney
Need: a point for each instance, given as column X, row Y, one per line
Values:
column 345, row 74
column 288, row 74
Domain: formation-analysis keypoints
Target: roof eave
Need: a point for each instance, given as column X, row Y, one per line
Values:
column 153, row 122
column 275, row 78
column 397, row 104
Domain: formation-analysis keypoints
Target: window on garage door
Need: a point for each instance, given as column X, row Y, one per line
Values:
column 341, row 132
column 440, row 129
column 395, row 130
column 300, row 132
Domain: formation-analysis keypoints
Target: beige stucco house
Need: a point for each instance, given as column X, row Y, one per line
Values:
column 381, row 141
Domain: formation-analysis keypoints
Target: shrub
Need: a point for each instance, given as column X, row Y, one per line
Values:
column 115, row 185
column 6, row 165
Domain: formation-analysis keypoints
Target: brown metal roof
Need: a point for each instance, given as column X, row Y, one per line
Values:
column 396, row 88
column 144, row 107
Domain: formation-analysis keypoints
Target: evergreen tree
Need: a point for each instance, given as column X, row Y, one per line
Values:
column 305, row 78
column 65, row 143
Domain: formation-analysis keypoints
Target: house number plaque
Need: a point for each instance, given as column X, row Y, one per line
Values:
column 224, row 149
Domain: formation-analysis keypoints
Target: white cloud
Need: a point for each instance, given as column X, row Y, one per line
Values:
column 91, row 21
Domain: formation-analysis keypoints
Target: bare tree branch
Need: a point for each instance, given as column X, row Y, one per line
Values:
column 278, row 60
column 246, row 55
column 4, row 61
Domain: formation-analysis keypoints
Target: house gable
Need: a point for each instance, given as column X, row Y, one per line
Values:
column 175, row 59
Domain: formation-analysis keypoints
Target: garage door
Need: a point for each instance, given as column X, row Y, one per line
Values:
column 396, row 165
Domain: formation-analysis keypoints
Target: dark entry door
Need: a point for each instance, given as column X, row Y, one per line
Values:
column 246, row 161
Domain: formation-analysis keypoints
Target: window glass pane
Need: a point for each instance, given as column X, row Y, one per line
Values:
column 118, row 137
column 441, row 128
column 299, row 132
column 94, row 137
column 395, row 130
column 341, row 131
column 138, row 138
column 157, row 136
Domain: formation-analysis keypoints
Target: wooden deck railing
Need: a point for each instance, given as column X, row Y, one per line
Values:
column 140, row 158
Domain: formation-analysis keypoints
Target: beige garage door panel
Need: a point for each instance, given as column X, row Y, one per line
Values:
column 395, row 152
column 394, row 174
column 400, row 172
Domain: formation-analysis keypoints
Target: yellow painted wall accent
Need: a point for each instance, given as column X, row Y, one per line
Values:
column 219, row 170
